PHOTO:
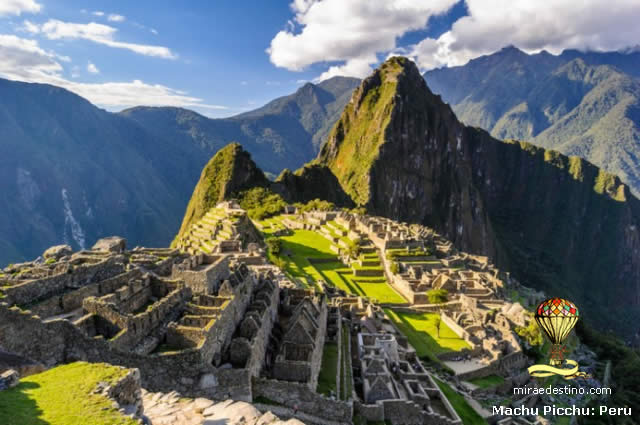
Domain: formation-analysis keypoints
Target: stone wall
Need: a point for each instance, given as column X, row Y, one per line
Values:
column 59, row 341
column 202, row 273
column 33, row 291
column 300, row 396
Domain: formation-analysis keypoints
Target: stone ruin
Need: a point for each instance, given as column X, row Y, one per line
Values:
column 389, row 380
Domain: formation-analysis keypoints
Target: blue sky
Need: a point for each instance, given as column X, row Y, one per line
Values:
column 224, row 57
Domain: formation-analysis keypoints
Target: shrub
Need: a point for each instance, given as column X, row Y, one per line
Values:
column 394, row 268
column 530, row 333
column 438, row 296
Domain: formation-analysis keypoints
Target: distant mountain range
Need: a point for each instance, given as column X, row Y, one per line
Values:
column 71, row 172
column 285, row 133
column 579, row 103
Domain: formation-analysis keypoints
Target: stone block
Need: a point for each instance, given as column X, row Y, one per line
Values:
column 114, row 244
column 57, row 252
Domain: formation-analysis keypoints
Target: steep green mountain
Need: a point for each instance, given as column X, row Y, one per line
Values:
column 285, row 133
column 71, row 172
column 557, row 223
column 231, row 170
column 583, row 104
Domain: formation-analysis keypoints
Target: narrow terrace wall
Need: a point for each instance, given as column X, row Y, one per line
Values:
column 294, row 394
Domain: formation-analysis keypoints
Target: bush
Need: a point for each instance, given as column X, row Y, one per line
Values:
column 395, row 268
column 438, row 296
column 530, row 333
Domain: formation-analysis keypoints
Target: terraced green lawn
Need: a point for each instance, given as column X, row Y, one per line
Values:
column 422, row 333
column 337, row 274
column 466, row 412
column 63, row 396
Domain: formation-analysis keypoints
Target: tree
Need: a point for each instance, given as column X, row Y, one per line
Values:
column 274, row 245
column 438, row 321
column 354, row 249
column 438, row 297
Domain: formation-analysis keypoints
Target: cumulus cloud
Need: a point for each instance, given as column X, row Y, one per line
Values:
column 24, row 60
column 17, row 7
column 54, row 29
column 533, row 26
column 350, row 32
column 352, row 35
column 92, row 68
column 98, row 13
column 113, row 17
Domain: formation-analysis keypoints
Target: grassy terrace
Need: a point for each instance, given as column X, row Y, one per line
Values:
column 329, row 369
column 63, row 396
column 374, row 287
column 304, row 245
column 466, row 412
column 422, row 333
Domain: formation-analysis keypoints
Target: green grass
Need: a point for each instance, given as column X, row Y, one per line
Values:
column 340, row 276
column 329, row 369
column 346, row 388
column 297, row 248
column 487, row 381
column 63, row 396
column 466, row 412
column 422, row 333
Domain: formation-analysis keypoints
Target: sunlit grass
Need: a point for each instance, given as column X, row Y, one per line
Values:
column 63, row 396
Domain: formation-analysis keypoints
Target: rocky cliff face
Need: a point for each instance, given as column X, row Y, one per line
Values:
column 557, row 223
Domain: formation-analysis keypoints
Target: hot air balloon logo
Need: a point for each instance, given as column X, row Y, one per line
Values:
column 557, row 317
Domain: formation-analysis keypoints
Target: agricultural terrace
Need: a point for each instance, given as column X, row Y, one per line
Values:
column 306, row 256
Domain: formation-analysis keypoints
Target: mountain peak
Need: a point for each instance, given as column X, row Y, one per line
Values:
column 229, row 171
column 395, row 91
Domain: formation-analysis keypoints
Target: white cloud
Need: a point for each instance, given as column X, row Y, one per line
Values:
column 113, row 17
column 24, row 60
column 351, row 32
column 54, row 29
column 153, row 31
column 532, row 25
column 91, row 68
column 98, row 13
column 17, row 7
column 351, row 36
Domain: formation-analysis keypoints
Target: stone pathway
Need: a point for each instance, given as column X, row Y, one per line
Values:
column 172, row 409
